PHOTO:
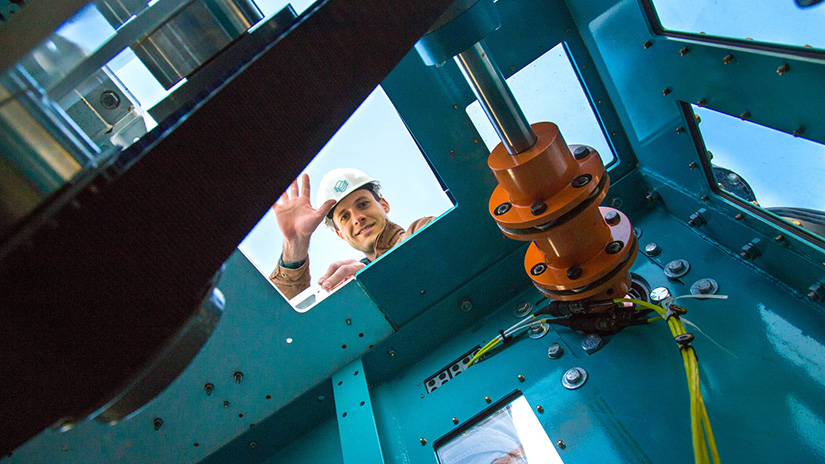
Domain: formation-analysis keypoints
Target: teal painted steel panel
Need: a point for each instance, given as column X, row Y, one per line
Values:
column 356, row 422
column 251, row 338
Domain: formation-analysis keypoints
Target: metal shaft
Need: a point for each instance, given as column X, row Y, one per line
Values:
column 496, row 98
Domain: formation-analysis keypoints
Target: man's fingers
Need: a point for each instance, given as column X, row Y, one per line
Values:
column 305, row 185
column 293, row 189
column 324, row 209
column 339, row 272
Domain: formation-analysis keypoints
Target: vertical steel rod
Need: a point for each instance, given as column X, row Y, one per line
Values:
column 496, row 98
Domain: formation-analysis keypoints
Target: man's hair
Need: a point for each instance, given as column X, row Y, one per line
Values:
column 373, row 187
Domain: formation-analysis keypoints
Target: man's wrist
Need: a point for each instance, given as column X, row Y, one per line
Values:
column 292, row 264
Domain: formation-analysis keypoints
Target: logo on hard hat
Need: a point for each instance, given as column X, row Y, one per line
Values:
column 340, row 186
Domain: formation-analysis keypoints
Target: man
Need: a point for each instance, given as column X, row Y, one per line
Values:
column 351, row 205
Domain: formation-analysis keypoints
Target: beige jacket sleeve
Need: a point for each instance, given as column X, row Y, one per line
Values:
column 291, row 281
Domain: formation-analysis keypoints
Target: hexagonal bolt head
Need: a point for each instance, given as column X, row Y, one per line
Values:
column 538, row 208
column 574, row 273
column 465, row 304
column 704, row 286
column 612, row 218
column 502, row 208
column 110, row 100
column 698, row 219
column 555, row 351
column 676, row 266
column 652, row 249
column 750, row 251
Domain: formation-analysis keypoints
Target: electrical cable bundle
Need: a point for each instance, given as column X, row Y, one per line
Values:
column 699, row 421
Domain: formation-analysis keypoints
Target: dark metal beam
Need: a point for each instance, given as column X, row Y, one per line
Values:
column 87, row 305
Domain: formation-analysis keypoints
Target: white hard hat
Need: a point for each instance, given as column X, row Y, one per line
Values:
column 338, row 183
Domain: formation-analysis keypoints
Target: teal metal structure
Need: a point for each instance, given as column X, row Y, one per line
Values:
column 761, row 351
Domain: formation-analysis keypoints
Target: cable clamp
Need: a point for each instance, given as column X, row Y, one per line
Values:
column 505, row 339
column 684, row 340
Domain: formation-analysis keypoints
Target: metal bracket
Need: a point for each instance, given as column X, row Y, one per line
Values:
column 356, row 420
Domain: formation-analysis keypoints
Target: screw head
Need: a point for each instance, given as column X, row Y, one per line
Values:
column 555, row 351
column 684, row 51
column 465, row 304
column 502, row 208
column 538, row 208
column 702, row 102
column 614, row 247
column 538, row 269
column 798, row 131
column 592, row 343
column 349, row 321
column 455, row 420
column 110, row 100
column 782, row 70
column 728, row 59
column 647, row 44
column 520, row 378
column 745, row 115
column 652, row 249
column 208, row 388
column 666, row 92
column 238, row 376
column 225, row 404
column 538, row 330
column 659, row 294
column 158, row 422
column 816, row 292
column 581, row 152
column 582, row 180
column 612, row 218
column 561, row 444
column 523, row 309
column 391, row 352
column 574, row 273
column 253, row 444
column 488, row 399
column 423, row 441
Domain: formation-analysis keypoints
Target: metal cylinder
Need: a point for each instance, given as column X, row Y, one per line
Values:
column 496, row 99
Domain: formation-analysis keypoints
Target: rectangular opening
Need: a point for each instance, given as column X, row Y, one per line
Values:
column 767, row 21
column 767, row 168
column 376, row 141
column 508, row 431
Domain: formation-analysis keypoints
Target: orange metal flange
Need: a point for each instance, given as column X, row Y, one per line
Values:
column 549, row 194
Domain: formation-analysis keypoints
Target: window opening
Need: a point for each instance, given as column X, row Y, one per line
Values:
column 770, row 21
column 768, row 168
column 548, row 89
column 508, row 433
column 376, row 141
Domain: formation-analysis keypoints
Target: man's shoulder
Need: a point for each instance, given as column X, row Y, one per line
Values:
column 418, row 224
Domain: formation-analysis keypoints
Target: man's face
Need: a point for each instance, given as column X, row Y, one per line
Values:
column 359, row 218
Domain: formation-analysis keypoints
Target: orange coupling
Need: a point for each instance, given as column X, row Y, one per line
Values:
column 549, row 194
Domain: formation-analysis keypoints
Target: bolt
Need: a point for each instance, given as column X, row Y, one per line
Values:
column 676, row 266
column 647, row 44
column 523, row 309
column 782, row 70
column 502, row 208
column 455, row 420
column 750, row 251
column 684, row 51
column 423, row 441
column 538, row 208
column 561, row 444
column 536, row 328
column 704, row 286
column 538, row 269
column 555, row 351
column 487, row 399
column 680, row 129
column 591, row 343
column 581, row 152
column 520, row 378
column 391, row 352
column 612, row 218
column 208, row 388
column 702, row 102
column 615, row 202
column 697, row 219
column 652, row 249
column 816, row 292
column 798, row 131
column 739, row 217
column 693, row 165
column 652, row 197
column 704, row 198
column 779, row 238
column 349, row 321
column 110, row 100
column 666, row 91
column 745, row 115
column 582, row 180
column 226, row 404
column 574, row 273
column 728, row 59
column 573, row 375
column 465, row 304
column 158, row 422
column 614, row 247
column 238, row 376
